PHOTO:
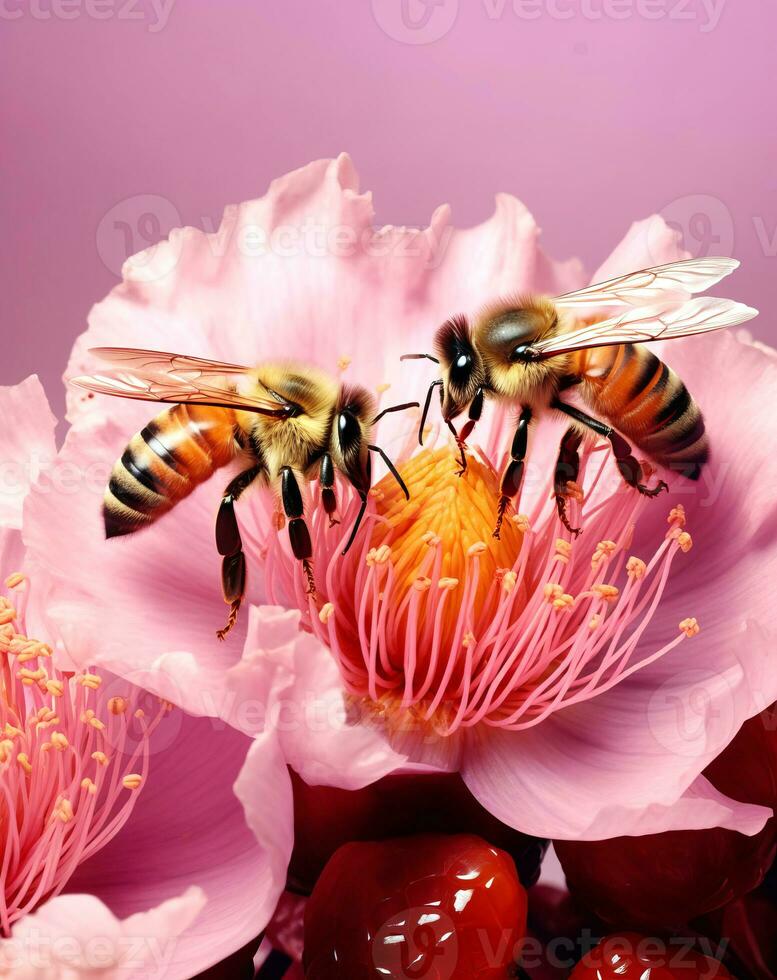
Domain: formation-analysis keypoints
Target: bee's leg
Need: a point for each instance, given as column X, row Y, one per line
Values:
column 230, row 545
column 427, row 403
column 475, row 411
column 326, row 477
column 512, row 478
column 628, row 465
column 299, row 535
column 567, row 470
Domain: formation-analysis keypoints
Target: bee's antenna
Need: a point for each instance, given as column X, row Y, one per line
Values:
column 395, row 408
column 392, row 469
column 419, row 357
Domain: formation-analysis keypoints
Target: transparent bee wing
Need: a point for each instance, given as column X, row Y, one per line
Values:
column 700, row 315
column 161, row 362
column 155, row 376
column 676, row 279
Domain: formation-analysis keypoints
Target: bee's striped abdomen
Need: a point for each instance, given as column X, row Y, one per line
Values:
column 178, row 449
column 648, row 403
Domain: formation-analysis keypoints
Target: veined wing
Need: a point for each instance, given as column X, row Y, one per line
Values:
column 699, row 315
column 676, row 279
column 161, row 362
column 156, row 376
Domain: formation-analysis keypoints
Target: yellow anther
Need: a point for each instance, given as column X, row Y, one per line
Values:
column 11, row 731
column 552, row 590
column 607, row 592
column 378, row 556
column 564, row 548
column 564, row 602
column 381, row 389
column 343, row 362
column 636, row 568
column 509, row 580
column 117, row 705
column 100, row 758
column 574, row 491
column 6, row 750
column 7, row 615
column 595, row 621
column 677, row 516
column 522, row 523
column 92, row 681
column 431, row 539
column 30, row 677
column 63, row 810
column 45, row 718
column 690, row 627
column 89, row 786
column 603, row 550
column 468, row 640
column 448, row 583
column 376, row 493
column 14, row 581
column 326, row 612
column 685, row 541
column 59, row 741
column 140, row 713
column 6, row 637
column 132, row 781
column 24, row 761
column 422, row 583
column 476, row 549
column 89, row 718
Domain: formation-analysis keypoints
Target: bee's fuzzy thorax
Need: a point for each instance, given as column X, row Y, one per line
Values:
column 517, row 321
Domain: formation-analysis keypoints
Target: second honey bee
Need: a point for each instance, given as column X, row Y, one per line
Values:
column 287, row 423
column 529, row 352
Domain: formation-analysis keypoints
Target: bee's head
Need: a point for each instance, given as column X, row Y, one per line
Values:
column 350, row 438
column 505, row 334
column 462, row 366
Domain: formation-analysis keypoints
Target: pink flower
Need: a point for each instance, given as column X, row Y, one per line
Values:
column 136, row 841
column 563, row 679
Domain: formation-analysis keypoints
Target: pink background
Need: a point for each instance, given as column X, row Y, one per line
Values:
column 593, row 112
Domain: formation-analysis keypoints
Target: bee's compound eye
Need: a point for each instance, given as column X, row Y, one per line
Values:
column 348, row 430
column 461, row 369
column 521, row 353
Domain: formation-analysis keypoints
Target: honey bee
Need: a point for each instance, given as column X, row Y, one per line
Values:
column 526, row 352
column 285, row 422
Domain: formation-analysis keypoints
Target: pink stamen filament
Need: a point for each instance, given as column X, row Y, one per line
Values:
column 562, row 625
column 70, row 773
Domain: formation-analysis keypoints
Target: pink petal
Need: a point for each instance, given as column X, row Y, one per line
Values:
column 126, row 602
column 647, row 243
column 295, row 678
column 28, row 445
column 569, row 782
column 303, row 269
column 189, row 829
column 76, row 936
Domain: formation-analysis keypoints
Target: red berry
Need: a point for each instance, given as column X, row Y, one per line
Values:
column 665, row 880
column 628, row 956
column 432, row 906
column 325, row 818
